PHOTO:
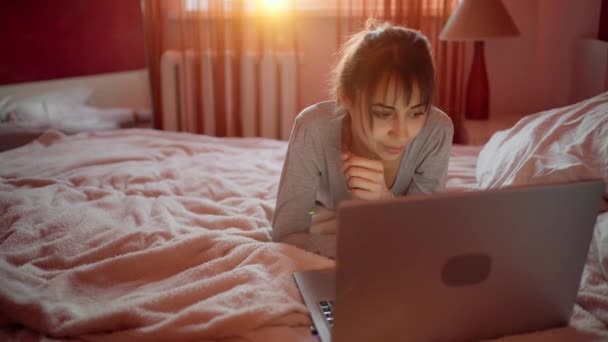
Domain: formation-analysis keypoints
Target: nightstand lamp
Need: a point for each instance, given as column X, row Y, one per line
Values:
column 476, row 20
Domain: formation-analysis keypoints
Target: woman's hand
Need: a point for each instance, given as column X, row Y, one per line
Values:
column 365, row 177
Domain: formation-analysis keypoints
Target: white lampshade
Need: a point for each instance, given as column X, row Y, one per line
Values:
column 478, row 20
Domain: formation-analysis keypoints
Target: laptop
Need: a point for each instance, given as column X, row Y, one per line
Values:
column 454, row 266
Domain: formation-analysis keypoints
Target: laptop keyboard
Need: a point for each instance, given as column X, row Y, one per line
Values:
column 327, row 308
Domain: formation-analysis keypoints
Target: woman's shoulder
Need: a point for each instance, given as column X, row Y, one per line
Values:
column 313, row 130
column 439, row 120
column 317, row 115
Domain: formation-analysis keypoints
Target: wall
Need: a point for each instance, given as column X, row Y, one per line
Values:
column 52, row 45
column 603, row 30
column 66, row 38
column 533, row 72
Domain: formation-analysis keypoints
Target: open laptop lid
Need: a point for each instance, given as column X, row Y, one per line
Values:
column 462, row 265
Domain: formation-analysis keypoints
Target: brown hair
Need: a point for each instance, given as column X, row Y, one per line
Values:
column 382, row 48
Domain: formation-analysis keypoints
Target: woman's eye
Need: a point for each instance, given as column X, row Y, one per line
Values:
column 416, row 114
column 382, row 115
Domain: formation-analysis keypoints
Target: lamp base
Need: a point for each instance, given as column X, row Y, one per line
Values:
column 478, row 90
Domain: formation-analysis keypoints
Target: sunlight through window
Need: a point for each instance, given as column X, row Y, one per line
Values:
column 268, row 6
column 275, row 6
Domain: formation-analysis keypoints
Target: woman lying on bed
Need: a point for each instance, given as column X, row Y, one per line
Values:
column 381, row 138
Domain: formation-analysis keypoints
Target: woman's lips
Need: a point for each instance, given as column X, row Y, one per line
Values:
column 392, row 149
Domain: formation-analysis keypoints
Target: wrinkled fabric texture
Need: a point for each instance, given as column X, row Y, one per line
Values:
column 558, row 145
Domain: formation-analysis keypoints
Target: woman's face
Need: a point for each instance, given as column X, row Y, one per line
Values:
column 394, row 121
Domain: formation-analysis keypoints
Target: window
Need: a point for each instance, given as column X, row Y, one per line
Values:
column 268, row 5
column 323, row 7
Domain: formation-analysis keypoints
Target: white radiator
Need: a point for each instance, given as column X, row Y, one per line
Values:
column 179, row 92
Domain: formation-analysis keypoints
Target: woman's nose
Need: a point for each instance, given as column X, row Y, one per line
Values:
column 400, row 129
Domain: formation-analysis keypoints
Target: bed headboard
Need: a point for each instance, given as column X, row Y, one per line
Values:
column 127, row 89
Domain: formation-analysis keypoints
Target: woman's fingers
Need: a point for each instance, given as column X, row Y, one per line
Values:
column 352, row 160
column 364, row 177
column 364, row 194
column 361, row 183
column 367, row 174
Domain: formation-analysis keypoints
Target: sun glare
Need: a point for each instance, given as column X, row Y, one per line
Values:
column 274, row 6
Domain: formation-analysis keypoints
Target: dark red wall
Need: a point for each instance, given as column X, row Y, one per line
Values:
column 48, row 39
column 603, row 30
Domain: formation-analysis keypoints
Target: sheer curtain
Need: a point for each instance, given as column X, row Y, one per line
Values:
column 226, row 31
column 428, row 16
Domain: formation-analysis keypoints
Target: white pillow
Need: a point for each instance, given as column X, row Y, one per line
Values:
column 558, row 145
column 5, row 104
column 34, row 107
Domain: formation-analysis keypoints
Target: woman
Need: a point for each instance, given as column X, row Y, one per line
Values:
column 379, row 139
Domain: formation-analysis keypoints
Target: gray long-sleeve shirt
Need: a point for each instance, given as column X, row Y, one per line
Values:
column 312, row 171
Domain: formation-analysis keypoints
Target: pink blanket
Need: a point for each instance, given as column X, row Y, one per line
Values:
column 140, row 234
column 144, row 235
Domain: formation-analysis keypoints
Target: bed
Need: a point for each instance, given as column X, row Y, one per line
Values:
column 136, row 234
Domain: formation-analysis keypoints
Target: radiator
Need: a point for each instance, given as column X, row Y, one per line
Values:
column 276, row 84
